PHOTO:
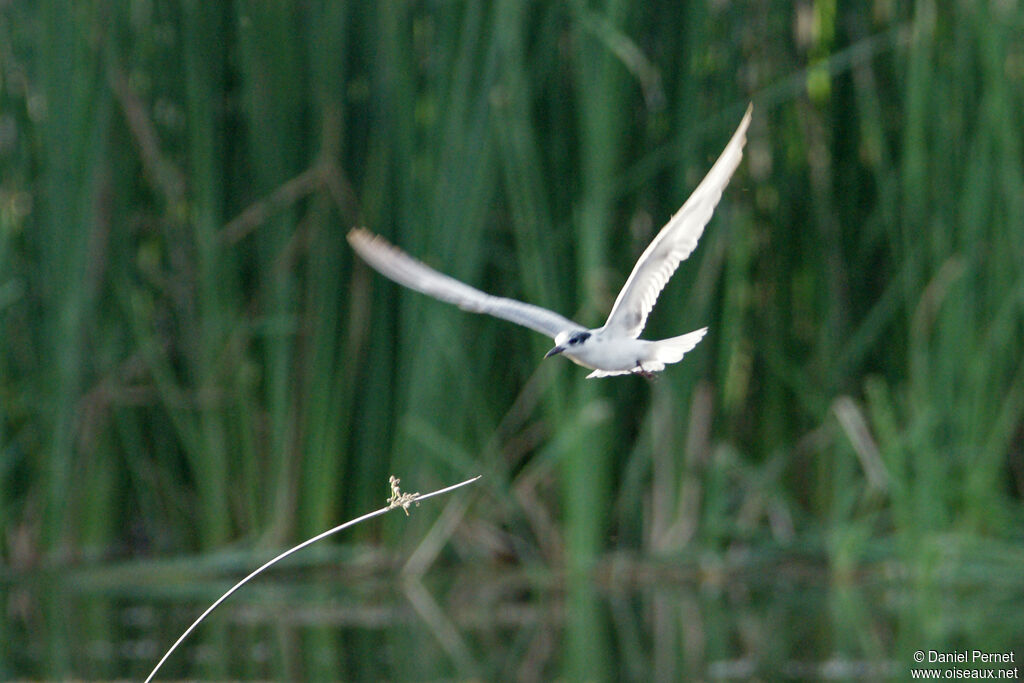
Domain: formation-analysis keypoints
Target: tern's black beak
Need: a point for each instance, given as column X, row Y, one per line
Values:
column 554, row 352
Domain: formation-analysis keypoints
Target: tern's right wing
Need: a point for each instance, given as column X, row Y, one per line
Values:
column 395, row 264
column 674, row 243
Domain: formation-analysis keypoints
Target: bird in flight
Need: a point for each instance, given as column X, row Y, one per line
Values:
column 615, row 348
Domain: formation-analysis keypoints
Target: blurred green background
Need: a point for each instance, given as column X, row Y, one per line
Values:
column 195, row 372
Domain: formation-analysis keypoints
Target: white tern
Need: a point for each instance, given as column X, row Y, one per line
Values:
column 614, row 348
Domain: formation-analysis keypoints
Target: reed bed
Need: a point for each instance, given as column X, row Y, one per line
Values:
column 192, row 357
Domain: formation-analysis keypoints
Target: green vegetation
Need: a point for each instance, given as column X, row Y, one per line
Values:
column 192, row 360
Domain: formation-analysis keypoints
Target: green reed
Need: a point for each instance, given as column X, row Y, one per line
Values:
column 192, row 355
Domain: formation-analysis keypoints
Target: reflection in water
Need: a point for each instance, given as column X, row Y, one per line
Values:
column 687, row 619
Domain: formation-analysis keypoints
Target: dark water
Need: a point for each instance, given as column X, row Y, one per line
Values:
column 708, row 618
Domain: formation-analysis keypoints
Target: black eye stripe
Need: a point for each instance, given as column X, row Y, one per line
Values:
column 579, row 338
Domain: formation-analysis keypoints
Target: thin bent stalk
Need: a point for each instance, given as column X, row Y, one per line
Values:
column 397, row 499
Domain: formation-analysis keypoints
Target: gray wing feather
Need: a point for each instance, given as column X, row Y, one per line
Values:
column 675, row 242
column 395, row 264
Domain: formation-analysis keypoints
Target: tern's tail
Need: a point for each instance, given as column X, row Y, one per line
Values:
column 659, row 354
column 673, row 349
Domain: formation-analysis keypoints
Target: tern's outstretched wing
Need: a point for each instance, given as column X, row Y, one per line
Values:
column 675, row 242
column 394, row 263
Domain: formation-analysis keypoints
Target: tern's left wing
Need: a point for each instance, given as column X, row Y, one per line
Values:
column 394, row 263
column 675, row 242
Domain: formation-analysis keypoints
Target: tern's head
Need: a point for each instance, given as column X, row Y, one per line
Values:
column 567, row 341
